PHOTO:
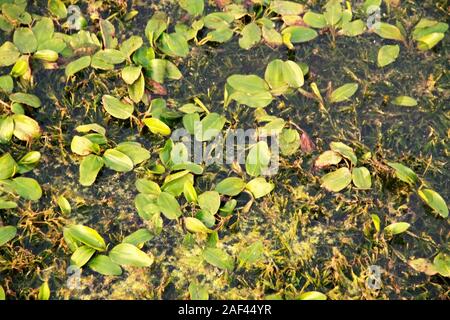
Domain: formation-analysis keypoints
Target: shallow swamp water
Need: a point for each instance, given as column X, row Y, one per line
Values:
column 312, row 239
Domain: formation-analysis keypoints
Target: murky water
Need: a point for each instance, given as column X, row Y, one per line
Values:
column 313, row 239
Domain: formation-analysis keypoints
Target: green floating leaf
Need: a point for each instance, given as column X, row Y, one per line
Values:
column 71, row 242
column 250, row 90
column 44, row 291
column 137, row 89
column 423, row 265
column 117, row 161
column 247, row 83
column 337, row 180
column 163, row 69
column 108, row 34
column 397, row 228
column 129, row 46
column 206, row 217
column 77, row 65
column 189, row 166
column 27, row 188
column 156, row 26
column 195, row 226
column 388, row 31
column 156, row 126
column 328, row 158
column 282, row 75
column 8, row 54
column 259, row 187
column 20, row 68
column 344, row 150
column 289, row 142
column 315, row 20
column 427, row 26
column 376, row 222
column 64, row 205
column 81, row 256
column 405, row 101
column 435, row 201
column 220, row 35
column 6, row 129
column 139, row 237
column 169, row 206
column 85, row 128
column 353, row 28
column 131, row 73
column 107, row 58
column 6, row 84
column 57, row 8
column 146, row 206
column 209, row 201
column 87, row 236
column 46, row 55
column 404, row 173
column 300, row 34
column 148, row 187
column 43, row 30
column 361, row 178
column 117, row 108
column 104, row 265
column 25, row 128
column 126, row 254
column 174, row 183
column 286, row 7
column 134, row 151
column 333, row 13
column 25, row 40
column 370, row 4
column 189, row 192
column 231, row 186
column 193, row 7
column 26, row 98
column 83, row 146
column 271, row 36
column 89, row 169
column 430, row 40
column 174, row 45
column 8, row 166
column 29, row 161
column 312, row 295
column 258, row 159
column 7, row 233
column 344, row 92
column 228, row 208
column 251, row 35
column 387, row 54
column 5, row 204
column 442, row 264
column 218, row 258
column 209, row 127
column 2, row 294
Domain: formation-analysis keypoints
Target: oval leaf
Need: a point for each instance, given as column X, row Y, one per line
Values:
column 126, row 254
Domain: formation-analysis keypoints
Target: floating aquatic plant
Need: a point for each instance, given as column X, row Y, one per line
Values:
column 131, row 82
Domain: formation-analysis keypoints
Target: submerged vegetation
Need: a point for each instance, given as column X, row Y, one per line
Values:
column 345, row 171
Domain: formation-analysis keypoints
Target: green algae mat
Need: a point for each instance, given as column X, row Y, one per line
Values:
column 227, row 149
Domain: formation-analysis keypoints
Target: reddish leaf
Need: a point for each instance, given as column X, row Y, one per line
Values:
column 157, row 88
column 306, row 143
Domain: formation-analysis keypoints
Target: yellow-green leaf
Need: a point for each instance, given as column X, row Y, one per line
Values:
column 435, row 201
